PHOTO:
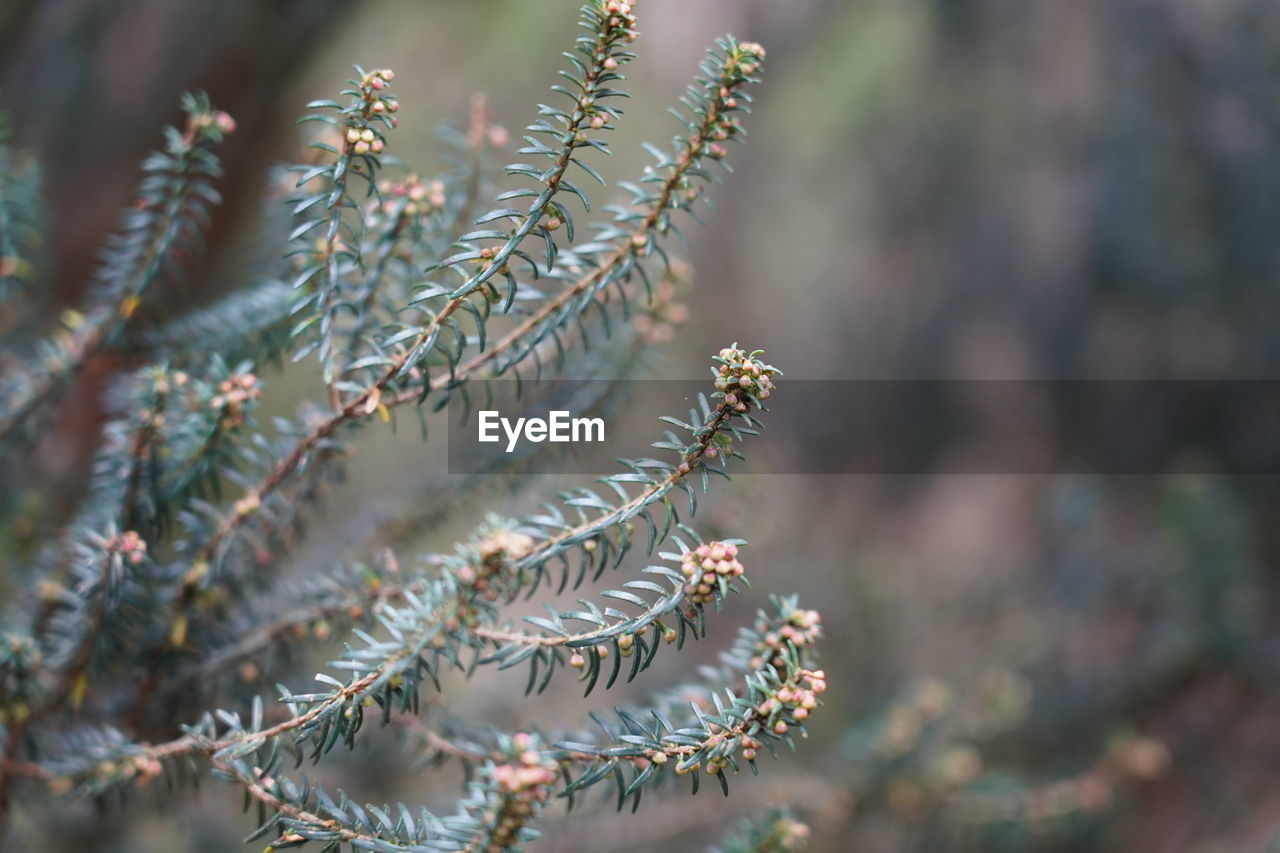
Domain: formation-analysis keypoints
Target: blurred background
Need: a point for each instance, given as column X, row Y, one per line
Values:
column 931, row 189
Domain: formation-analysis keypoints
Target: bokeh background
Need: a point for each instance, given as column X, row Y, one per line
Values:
column 958, row 189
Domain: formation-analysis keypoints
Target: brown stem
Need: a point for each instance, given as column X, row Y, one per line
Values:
column 256, row 790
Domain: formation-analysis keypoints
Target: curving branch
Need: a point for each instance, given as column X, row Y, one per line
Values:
column 172, row 210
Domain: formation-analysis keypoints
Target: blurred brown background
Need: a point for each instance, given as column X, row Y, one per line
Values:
column 931, row 189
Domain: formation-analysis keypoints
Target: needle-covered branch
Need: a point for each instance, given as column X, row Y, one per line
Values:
column 181, row 567
column 160, row 232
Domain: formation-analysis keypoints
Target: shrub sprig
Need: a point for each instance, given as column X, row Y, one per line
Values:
column 171, row 575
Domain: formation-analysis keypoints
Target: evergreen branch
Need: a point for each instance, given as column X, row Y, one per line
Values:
column 511, row 564
column 484, row 548
column 275, row 527
column 223, row 404
column 318, row 718
column 447, row 204
column 173, row 205
column 634, row 235
column 736, row 69
column 21, row 220
column 360, row 124
column 630, row 354
column 777, row 694
column 776, row 691
column 385, row 244
column 498, row 563
column 101, row 565
column 610, row 33
column 603, row 54
column 353, row 596
column 106, row 567
column 776, row 832
column 494, row 816
column 263, row 789
column 706, row 576
column 148, row 621
column 250, row 324
column 144, row 455
column 20, row 678
column 711, row 440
